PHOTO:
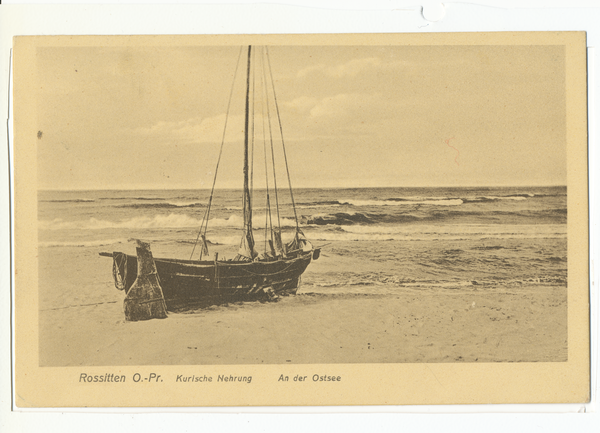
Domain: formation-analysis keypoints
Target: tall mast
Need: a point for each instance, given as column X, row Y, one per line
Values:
column 247, row 245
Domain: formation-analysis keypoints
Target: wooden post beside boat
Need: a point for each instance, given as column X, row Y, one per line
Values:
column 145, row 298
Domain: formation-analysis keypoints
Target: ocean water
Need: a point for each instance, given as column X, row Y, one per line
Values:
column 374, row 240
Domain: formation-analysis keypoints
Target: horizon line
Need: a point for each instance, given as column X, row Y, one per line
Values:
column 300, row 187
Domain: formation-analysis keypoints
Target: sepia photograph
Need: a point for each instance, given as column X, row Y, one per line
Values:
column 294, row 202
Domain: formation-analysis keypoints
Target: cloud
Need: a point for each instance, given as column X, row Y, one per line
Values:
column 336, row 106
column 306, row 118
column 302, row 104
column 197, row 130
column 340, row 105
column 340, row 115
column 356, row 107
column 348, row 69
column 309, row 70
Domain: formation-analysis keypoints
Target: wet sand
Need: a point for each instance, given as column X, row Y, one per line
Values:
column 521, row 324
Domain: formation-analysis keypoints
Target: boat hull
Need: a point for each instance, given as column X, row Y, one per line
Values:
column 190, row 284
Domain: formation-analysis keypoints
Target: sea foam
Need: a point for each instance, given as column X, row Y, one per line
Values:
column 445, row 202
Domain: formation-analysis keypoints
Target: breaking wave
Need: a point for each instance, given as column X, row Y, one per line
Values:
column 132, row 198
column 435, row 215
column 429, row 201
column 391, row 281
column 157, row 222
column 160, row 205
column 258, row 221
column 402, row 202
column 319, row 203
column 75, row 200
column 516, row 197
column 400, row 236
column 340, row 218
column 83, row 243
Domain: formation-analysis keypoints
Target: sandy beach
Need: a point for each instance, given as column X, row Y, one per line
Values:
column 520, row 325
column 405, row 275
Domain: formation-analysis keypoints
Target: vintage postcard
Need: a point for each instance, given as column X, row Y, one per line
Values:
column 300, row 220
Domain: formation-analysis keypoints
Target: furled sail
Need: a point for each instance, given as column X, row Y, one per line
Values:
column 247, row 244
column 299, row 243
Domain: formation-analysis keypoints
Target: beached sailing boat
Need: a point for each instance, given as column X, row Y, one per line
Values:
column 155, row 285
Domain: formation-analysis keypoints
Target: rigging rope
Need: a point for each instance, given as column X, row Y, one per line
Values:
column 207, row 212
column 253, row 132
column 268, row 200
column 272, row 151
column 282, row 142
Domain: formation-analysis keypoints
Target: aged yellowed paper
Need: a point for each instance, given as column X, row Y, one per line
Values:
column 398, row 219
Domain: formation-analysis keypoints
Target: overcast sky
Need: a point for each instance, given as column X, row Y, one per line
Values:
column 354, row 116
